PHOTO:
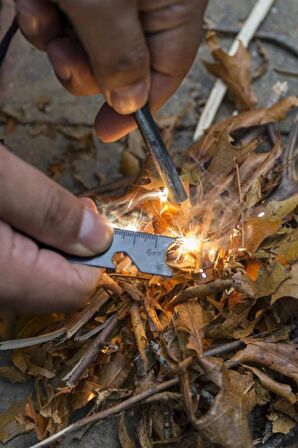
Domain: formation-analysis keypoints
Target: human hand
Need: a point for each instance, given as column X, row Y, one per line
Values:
column 33, row 279
column 133, row 51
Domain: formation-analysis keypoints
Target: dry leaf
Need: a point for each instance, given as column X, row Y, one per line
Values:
column 282, row 358
column 257, row 229
column 270, row 278
column 283, row 390
column 125, row 440
column 40, row 423
column 289, row 288
column 189, row 318
column 234, row 71
column 9, row 427
column 288, row 246
column 226, row 421
column 12, row 374
column 281, row 423
column 208, row 144
column 115, row 372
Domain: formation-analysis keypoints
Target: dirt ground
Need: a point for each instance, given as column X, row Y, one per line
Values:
column 46, row 126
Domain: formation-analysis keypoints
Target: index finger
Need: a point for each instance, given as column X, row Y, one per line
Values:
column 173, row 30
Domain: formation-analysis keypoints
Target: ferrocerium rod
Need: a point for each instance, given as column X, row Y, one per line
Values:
column 161, row 156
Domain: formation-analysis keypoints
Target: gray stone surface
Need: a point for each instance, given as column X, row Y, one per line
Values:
column 27, row 81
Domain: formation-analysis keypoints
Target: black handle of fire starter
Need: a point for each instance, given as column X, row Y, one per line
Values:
column 160, row 154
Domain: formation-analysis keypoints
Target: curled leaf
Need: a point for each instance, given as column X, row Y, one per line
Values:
column 234, row 71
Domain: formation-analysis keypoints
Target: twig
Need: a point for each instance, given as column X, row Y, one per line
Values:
column 274, row 38
column 127, row 404
column 187, row 399
column 252, row 23
column 201, row 291
column 285, row 72
column 92, row 351
column 224, row 348
column 240, row 201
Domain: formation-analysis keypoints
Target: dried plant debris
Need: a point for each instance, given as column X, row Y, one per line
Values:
column 198, row 354
column 233, row 70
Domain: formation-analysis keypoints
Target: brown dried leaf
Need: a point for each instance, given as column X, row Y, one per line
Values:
column 125, row 440
column 280, row 422
column 288, row 247
column 283, row 390
column 39, row 422
column 209, row 143
column 289, row 288
column 234, row 71
column 143, row 431
column 270, row 279
column 140, row 333
column 226, row 423
column 280, row 209
column 36, row 370
column 9, row 427
column 115, row 372
column 12, row 374
column 257, row 229
column 281, row 357
column 189, row 318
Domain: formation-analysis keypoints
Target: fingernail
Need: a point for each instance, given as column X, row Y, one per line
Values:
column 89, row 203
column 96, row 233
column 57, row 59
column 27, row 22
column 62, row 72
column 127, row 100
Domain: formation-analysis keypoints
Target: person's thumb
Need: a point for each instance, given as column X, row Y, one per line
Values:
column 35, row 205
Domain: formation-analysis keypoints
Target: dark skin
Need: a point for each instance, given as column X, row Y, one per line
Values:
column 133, row 52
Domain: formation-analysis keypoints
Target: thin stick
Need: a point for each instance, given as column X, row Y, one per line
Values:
column 240, row 202
column 92, row 351
column 127, row 404
column 224, row 348
column 256, row 17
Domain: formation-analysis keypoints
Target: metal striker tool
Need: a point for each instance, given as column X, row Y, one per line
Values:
column 161, row 156
column 147, row 251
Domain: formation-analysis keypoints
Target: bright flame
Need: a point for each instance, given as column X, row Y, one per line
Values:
column 164, row 195
column 189, row 243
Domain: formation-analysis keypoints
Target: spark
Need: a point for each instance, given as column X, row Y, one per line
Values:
column 164, row 195
column 130, row 223
column 91, row 396
column 189, row 243
column 204, row 275
column 261, row 214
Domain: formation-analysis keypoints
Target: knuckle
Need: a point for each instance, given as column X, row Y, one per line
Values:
column 134, row 60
